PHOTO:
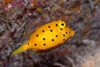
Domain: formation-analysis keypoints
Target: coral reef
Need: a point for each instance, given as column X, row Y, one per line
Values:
column 20, row 18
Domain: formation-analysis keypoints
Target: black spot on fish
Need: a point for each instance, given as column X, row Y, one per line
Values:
column 44, row 44
column 56, row 35
column 69, row 31
column 56, row 24
column 52, row 39
column 61, row 29
column 28, row 44
column 52, row 47
column 35, row 44
column 48, row 26
column 43, row 38
column 63, row 39
column 42, row 30
column 59, row 44
column 37, row 35
column 64, row 35
column 66, row 32
column 51, row 30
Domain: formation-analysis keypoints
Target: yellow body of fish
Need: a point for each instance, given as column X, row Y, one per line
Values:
column 47, row 37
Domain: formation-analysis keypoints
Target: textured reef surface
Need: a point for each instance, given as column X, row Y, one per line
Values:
column 20, row 18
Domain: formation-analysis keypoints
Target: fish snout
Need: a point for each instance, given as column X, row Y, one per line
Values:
column 72, row 33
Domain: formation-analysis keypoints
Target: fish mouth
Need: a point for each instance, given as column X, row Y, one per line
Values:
column 73, row 34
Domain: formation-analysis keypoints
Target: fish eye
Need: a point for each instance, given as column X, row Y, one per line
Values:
column 62, row 24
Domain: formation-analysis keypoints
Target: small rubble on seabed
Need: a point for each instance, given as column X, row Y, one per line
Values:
column 20, row 18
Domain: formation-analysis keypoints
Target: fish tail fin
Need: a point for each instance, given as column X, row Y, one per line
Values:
column 21, row 49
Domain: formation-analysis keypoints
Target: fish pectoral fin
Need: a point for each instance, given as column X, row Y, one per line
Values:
column 34, row 50
column 38, row 51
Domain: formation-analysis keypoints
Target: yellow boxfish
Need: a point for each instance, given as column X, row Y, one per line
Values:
column 47, row 37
